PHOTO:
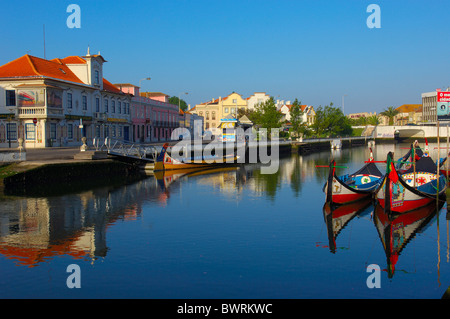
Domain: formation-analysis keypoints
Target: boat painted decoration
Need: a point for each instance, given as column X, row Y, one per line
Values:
column 406, row 190
column 352, row 187
column 166, row 162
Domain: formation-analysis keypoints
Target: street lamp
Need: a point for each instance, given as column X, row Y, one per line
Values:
column 144, row 79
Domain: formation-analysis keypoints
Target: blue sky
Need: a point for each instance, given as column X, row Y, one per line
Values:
column 316, row 51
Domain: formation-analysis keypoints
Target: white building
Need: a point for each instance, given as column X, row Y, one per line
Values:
column 256, row 98
column 56, row 102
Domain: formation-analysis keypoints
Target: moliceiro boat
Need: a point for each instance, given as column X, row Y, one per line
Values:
column 415, row 187
column 166, row 162
column 352, row 187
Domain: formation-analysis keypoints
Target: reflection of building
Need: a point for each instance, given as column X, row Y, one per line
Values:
column 66, row 98
column 35, row 229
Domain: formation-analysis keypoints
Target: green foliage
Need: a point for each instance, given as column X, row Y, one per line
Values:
column 390, row 113
column 296, row 119
column 267, row 116
column 174, row 100
column 330, row 121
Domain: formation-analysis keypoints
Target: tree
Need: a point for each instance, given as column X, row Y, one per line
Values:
column 330, row 121
column 373, row 120
column 267, row 116
column 297, row 118
column 390, row 113
column 174, row 100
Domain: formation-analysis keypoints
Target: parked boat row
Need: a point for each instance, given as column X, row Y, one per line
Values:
column 411, row 182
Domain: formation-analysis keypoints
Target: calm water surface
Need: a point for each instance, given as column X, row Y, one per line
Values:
column 233, row 233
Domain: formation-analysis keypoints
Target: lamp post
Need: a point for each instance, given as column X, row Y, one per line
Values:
column 144, row 79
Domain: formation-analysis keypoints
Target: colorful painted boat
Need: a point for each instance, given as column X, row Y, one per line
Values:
column 166, row 162
column 412, row 188
column 352, row 187
column 396, row 231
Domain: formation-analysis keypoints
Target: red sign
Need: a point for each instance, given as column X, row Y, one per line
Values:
column 443, row 96
column 35, row 120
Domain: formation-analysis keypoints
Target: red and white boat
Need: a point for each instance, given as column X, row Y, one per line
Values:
column 400, row 192
column 352, row 187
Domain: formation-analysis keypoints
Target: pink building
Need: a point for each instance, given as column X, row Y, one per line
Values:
column 153, row 118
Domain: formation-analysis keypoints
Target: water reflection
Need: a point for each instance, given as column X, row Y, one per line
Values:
column 396, row 231
column 37, row 230
column 338, row 217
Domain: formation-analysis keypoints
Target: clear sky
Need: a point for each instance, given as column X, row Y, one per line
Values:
column 313, row 50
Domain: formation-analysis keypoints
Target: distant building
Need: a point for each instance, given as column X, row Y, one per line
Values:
column 217, row 109
column 308, row 113
column 152, row 116
column 429, row 103
column 409, row 114
column 256, row 98
column 360, row 115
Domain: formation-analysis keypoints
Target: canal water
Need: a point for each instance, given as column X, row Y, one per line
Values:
column 225, row 233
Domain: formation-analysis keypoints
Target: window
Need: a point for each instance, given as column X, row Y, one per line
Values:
column 97, row 105
column 113, row 106
column 11, row 131
column 113, row 131
column 226, row 110
column 84, row 102
column 96, row 77
column 97, row 131
column 53, row 131
column 10, row 98
column 119, row 107
column 234, row 100
column 128, row 108
column 106, row 106
column 69, row 100
column 207, row 115
column 213, row 115
column 30, row 131
column 70, row 131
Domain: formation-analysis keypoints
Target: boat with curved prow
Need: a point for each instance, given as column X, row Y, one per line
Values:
column 352, row 187
column 166, row 162
column 412, row 188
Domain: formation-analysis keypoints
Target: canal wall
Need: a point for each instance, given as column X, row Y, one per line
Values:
column 68, row 177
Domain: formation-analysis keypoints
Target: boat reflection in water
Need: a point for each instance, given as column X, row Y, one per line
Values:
column 397, row 230
column 337, row 217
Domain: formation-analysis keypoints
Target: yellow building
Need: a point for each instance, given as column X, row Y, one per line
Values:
column 217, row 109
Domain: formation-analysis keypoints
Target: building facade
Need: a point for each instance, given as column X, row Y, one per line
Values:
column 153, row 117
column 57, row 102
column 217, row 109
column 429, row 104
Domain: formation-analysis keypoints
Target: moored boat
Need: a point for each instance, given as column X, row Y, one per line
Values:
column 352, row 187
column 412, row 188
column 164, row 161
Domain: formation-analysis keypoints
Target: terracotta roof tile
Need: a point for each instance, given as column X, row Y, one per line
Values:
column 108, row 86
column 28, row 65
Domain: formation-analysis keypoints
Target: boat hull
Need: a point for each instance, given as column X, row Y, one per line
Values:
column 403, row 198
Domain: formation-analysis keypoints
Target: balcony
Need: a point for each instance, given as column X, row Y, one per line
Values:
column 39, row 112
